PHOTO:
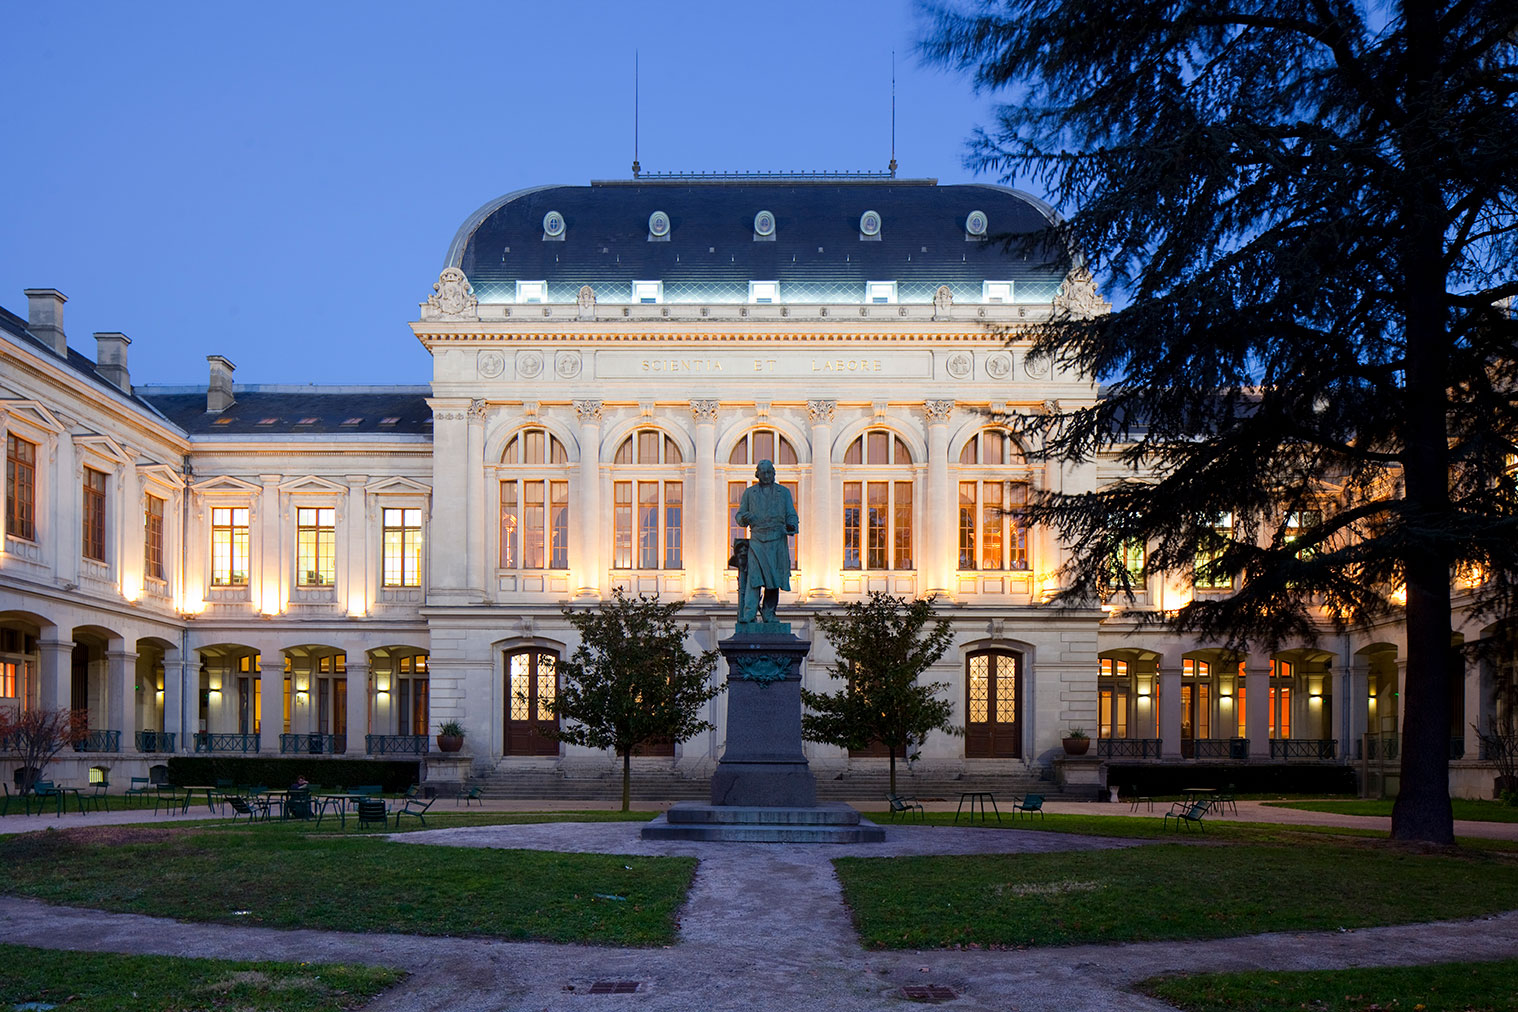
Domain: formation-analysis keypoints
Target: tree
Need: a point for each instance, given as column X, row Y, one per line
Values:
column 882, row 645
column 1306, row 211
column 631, row 681
column 35, row 737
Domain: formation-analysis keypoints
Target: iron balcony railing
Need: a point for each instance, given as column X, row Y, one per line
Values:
column 395, row 744
column 99, row 741
column 313, row 744
column 1456, row 747
column 155, row 741
column 206, row 741
column 1383, row 747
column 1304, row 748
column 1221, row 748
column 1128, row 748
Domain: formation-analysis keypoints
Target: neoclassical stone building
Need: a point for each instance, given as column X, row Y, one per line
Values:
column 334, row 570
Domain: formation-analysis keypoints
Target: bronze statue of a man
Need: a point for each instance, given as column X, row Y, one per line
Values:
column 769, row 513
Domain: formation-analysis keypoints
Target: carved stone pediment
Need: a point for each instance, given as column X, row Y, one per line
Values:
column 454, row 298
column 1078, row 298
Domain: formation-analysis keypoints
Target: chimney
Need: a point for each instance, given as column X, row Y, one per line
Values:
column 111, row 360
column 219, row 393
column 44, row 318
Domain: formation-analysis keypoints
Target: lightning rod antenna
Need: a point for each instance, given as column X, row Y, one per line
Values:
column 892, row 166
column 636, row 166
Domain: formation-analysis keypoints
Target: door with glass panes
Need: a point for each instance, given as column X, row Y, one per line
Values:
column 531, row 687
column 993, row 686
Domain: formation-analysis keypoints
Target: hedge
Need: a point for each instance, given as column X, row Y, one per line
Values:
column 393, row 775
column 1276, row 778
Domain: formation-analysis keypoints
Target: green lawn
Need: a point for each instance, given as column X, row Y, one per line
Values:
column 1443, row 987
column 107, row 982
column 1464, row 808
column 283, row 876
column 1166, row 891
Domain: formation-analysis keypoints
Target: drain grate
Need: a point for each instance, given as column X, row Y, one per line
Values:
column 928, row 994
column 615, row 987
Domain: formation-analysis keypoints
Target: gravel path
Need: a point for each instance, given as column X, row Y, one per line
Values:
column 764, row 928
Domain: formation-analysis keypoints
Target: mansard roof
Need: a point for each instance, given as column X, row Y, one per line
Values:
column 713, row 247
column 283, row 410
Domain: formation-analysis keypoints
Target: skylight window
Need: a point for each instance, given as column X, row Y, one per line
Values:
column 996, row 291
column 880, row 292
column 267, row 421
column 763, row 291
column 532, row 291
column 352, row 421
column 306, row 421
column 648, row 293
column 390, row 420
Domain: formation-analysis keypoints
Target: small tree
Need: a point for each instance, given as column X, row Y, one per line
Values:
column 631, row 681
column 882, row 644
column 36, row 736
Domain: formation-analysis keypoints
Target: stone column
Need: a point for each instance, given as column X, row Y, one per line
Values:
column 474, row 464
column 939, row 545
column 1169, row 686
column 121, row 694
column 1257, row 706
column 822, row 562
column 175, row 693
column 54, row 669
column 446, row 543
column 586, row 520
column 267, row 589
column 359, row 690
column 705, row 530
column 271, row 691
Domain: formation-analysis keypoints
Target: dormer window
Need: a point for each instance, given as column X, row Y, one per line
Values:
column 880, row 292
column 648, row 293
column 532, row 291
column 996, row 291
column 761, row 292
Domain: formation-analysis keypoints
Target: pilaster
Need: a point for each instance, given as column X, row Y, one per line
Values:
column 821, row 563
column 121, row 694
column 587, row 517
column 704, row 509
column 939, row 544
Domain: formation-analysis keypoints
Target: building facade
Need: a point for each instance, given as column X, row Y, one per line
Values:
column 335, row 570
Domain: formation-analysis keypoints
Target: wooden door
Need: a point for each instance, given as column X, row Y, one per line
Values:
column 531, row 686
column 993, row 700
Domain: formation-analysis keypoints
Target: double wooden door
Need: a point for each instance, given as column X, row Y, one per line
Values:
column 993, row 701
column 532, row 685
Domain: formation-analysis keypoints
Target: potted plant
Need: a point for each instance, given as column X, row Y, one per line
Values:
column 450, row 736
column 1077, row 742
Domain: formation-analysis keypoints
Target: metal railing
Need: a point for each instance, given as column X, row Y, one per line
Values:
column 206, row 741
column 1128, row 748
column 155, row 741
column 1221, row 748
column 395, row 744
column 313, row 744
column 1383, row 746
column 1304, row 748
column 99, row 741
column 1456, row 747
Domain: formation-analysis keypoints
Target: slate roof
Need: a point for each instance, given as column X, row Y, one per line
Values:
column 17, row 328
column 711, row 252
column 289, row 409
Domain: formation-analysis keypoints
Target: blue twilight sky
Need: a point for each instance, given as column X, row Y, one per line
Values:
column 278, row 183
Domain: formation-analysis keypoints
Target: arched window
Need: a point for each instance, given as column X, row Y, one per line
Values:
column 877, row 502
column 648, row 513
column 534, row 502
column 760, row 444
column 992, row 534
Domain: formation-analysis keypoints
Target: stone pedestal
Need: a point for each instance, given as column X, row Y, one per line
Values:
column 446, row 772
column 1080, row 774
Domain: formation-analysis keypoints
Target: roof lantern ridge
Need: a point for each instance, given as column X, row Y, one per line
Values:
column 784, row 174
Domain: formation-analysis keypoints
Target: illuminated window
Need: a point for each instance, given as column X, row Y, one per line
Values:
column 880, row 292
column 402, row 533
column 877, row 506
column 648, row 292
column 1196, row 707
column 20, row 488
column 648, row 515
column 1282, row 681
column 1113, row 698
column 229, row 546
column 764, row 291
column 8, row 680
column 535, row 506
column 996, row 291
column 992, row 534
column 93, row 537
column 1210, row 551
column 532, row 291
column 315, row 546
column 152, row 542
column 1131, row 558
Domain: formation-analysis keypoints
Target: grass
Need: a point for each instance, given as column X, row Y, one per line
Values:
column 280, row 875
column 1170, row 891
column 101, row 981
column 1464, row 808
column 1443, row 987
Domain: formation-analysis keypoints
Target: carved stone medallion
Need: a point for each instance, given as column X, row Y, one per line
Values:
column 999, row 366
column 1037, row 368
column 960, row 365
column 491, row 364
column 567, row 364
column 529, row 364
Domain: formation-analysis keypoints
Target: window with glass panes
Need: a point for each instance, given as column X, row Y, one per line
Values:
column 402, row 546
column 760, row 444
column 877, row 502
column 152, row 538
column 411, row 694
column 534, row 505
column 1222, row 533
column 20, row 488
column 229, row 546
column 1112, row 698
column 93, row 535
column 648, row 513
column 315, row 546
column 1282, row 679
column 991, row 531
column 1196, row 699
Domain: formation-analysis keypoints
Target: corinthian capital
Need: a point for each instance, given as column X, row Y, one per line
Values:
column 938, row 411
column 704, row 410
column 588, row 411
column 820, row 411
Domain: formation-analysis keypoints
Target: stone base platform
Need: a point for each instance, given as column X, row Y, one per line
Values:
column 827, row 823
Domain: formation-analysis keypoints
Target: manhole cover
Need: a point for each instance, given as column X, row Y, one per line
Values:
column 928, row 994
column 615, row 987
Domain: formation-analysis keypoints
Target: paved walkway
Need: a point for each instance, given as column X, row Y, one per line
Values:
column 765, row 927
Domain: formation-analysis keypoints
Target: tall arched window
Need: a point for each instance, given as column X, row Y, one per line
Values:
column 534, row 502
column 760, row 444
column 877, row 502
column 993, row 488
column 648, row 511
